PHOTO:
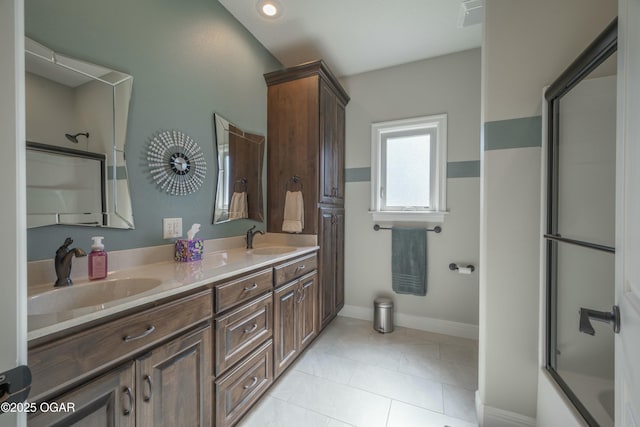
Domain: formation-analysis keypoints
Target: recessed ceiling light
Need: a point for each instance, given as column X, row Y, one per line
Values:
column 269, row 8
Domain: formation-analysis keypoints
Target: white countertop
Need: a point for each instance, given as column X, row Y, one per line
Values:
column 174, row 277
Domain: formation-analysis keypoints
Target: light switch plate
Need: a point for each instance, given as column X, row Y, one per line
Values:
column 171, row 228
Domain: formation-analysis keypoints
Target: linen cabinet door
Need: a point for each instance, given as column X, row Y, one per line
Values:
column 328, row 144
column 338, row 236
column 285, row 331
column 308, row 309
column 326, row 264
column 339, row 154
column 106, row 401
column 174, row 383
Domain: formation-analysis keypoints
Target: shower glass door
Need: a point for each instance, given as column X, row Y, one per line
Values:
column 580, row 234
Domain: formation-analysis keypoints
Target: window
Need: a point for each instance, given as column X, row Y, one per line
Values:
column 409, row 169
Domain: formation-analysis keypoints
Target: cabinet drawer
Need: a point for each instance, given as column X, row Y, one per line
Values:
column 240, row 388
column 237, row 291
column 294, row 269
column 238, row 333
column 67, row 361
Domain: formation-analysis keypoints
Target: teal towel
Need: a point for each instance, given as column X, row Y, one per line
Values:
column 409, row 261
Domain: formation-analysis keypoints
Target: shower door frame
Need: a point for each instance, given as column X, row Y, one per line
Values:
column 594, row 55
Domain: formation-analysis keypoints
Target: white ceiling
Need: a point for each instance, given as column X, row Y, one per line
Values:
column 354, row 36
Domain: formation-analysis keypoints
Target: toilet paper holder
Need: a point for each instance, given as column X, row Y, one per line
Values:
column 454, row 267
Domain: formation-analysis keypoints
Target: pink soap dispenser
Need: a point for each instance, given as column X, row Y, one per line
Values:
column 97, row 259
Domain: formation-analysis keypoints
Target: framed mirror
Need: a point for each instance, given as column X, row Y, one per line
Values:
column 240, row 160
column 76, row 126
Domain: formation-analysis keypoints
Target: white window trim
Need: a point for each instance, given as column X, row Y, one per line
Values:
column 437, row 214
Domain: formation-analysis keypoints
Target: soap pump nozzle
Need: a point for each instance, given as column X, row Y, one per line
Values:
column 97, row 243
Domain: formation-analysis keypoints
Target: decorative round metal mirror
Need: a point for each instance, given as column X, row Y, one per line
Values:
column 176, row 162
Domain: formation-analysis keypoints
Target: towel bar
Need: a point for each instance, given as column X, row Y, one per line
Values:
column 295, row 179
column 243, row 185
column 436, row 229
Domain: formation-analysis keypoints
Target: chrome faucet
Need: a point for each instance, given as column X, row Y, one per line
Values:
column 250, row 235
column 62, row 262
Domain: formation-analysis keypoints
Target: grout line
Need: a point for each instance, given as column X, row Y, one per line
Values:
column 388, row 413
column 330, row 351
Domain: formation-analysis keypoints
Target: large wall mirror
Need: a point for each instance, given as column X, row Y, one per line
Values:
column 580, row 235
column 240, row 159
column 76, row 126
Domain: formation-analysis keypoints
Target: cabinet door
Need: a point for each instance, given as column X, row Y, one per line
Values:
column 308, row 309
column 332, row 146
column 328, row 144
column 106, row 401
column 326, row 266
column 339, row 153
column 286, row 323
column 338, row 233
column 174, row 383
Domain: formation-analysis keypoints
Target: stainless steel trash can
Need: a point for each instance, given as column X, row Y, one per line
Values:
column 383, row 315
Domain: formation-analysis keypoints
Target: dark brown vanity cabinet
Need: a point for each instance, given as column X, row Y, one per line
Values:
column 106, row 401
column 242, row 386
column 142, row 380
column 331, row 263
column 243, row 326
column 169, row 386
column 296, row 318
column 173, row 386
column 306, row 133
column 332, row 135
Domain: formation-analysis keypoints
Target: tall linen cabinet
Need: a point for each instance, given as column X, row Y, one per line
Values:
column 306, row 137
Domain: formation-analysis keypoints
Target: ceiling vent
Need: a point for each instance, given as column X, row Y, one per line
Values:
column 471, row 13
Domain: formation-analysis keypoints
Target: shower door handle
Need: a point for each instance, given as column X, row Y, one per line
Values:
column 612, row 317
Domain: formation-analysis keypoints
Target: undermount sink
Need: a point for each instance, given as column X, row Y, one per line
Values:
column 273, row 250
column 92, row 294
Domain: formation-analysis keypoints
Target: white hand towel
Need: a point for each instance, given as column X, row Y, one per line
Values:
column 238, row 206
column 293, row 212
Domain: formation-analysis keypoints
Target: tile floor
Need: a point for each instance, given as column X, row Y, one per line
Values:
column 354, row 376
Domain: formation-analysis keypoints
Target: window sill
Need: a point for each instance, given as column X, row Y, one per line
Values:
column 408, row 216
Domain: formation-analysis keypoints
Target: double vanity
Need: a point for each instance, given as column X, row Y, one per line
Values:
column 163, row 343
column 174, row 344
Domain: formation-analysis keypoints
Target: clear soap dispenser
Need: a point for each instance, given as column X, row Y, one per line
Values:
column 97, row 259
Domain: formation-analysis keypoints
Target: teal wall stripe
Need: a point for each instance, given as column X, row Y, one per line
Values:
column 121, row 172
column 514, row 133
column 357, row 174
column 468, row 169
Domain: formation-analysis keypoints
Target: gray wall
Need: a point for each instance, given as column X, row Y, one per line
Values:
column 13, row 304
column 520, row 57
column 189, row 60
column 447, row 84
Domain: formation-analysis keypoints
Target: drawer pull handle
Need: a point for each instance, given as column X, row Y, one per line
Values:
column 127, row 411
column 300, row 267
column 254, row 381
column 250, row 288
column 251, row 329
column 147, row 381
column 129, row 338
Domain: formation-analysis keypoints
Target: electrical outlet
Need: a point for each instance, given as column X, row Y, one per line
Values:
column 171, row 228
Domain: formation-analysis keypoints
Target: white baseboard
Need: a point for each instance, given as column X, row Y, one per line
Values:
column 489, row 416
column 447, row 327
